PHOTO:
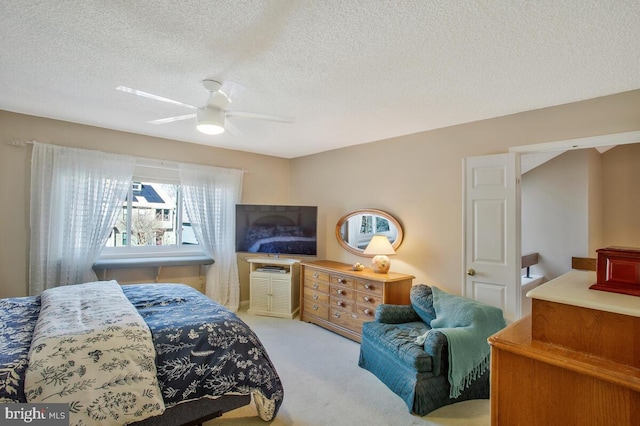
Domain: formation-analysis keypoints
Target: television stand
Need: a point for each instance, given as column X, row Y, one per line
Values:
column 274, row 286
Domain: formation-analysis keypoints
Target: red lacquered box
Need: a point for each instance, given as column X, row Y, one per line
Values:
column 618, row 270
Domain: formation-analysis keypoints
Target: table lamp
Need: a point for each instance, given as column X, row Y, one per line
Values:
column 380, row 247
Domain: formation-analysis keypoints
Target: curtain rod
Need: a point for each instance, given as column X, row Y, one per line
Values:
column 159, row 164
column 18, row 142
column 154, row 163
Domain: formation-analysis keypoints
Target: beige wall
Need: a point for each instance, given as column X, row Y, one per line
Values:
column 266, row 181
column 417, row 178
column 621, row 196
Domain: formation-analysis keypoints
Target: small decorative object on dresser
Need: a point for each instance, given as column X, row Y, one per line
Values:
column 336, row 297
column 274, row 287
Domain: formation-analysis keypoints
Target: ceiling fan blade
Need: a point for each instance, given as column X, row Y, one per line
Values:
column 152, row 96
column 233, row 130
column 172, row 119
column 267, row 117
column 231, row 89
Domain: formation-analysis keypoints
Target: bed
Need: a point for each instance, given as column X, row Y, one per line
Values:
column 204, row 360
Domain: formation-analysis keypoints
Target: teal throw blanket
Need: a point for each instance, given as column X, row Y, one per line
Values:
column 467, row 324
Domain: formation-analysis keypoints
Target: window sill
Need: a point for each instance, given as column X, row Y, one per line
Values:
column 151, row 261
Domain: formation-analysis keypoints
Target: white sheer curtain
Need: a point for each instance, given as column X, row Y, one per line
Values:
column 75, row 195
column 355, row 231
column 210, row 196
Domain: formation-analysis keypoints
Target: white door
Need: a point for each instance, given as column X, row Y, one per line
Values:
column 492, row 232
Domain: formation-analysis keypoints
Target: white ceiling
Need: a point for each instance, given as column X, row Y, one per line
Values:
column 348, row 71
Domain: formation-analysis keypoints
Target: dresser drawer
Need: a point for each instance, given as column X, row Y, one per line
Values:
column 343, row 281
column 347, row 319
column 371, row 299
column 366, row 311
column 313, row 275
column 370, row 287
column 342, row 303
column 315, row 295
column 317, row 286
column 315, row 308
column 344, row 292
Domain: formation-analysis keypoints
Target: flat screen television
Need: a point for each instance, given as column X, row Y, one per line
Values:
column 276, row 229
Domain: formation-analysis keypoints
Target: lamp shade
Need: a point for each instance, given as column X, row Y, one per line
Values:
column 379, row 244
column 210, row 121
column 380, row 247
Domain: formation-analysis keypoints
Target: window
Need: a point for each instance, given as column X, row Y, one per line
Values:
column 163, row 215
column 366, row 226
column 152, row 218
column 382, row 225
column 370, row 225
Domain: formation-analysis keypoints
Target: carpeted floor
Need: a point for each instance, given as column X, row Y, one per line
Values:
column 323, row 384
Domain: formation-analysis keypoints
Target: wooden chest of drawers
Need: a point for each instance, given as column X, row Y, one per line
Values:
column 336, row 297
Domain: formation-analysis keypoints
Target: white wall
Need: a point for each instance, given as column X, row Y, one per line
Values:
column 579, row 202
column 557, row 213
column 596, row 205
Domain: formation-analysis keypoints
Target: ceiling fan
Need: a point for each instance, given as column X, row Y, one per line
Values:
column 211, row 118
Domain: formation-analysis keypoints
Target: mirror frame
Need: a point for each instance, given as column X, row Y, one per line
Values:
column 376, row 212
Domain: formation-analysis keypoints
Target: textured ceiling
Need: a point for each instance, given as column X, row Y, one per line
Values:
column 349, row 72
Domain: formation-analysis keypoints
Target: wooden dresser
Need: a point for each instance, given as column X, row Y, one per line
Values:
column 336, row 297
column 574, row 361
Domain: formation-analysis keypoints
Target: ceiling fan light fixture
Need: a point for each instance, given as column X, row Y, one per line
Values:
column 210, row 121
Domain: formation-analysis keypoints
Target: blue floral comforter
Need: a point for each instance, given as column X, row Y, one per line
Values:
column 202, row 349
column 18, row 317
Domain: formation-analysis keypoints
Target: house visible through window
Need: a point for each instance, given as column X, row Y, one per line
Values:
column 366, row 226
column 152, row 215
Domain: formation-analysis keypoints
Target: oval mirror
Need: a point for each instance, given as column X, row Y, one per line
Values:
column 354, row 230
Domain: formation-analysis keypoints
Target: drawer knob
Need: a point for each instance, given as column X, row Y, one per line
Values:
column 340, row 303
column 315, row 307
column 315, row 296
column 367, row 311
column 366, row 298
column 316, row 275
column 339, row 291
column 336, row 314
column 341, row 281
column 316, row 286
column 367, row 286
